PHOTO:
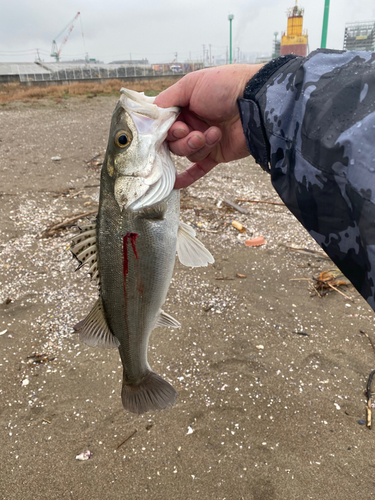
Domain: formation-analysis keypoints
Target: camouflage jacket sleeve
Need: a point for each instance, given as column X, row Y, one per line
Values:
column 310, row 122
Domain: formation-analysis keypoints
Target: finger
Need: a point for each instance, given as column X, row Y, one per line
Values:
column 178, row 130
column 213, row 135
column 189, row 145
column 187, row 121
column 194, row 172
column 176, row 95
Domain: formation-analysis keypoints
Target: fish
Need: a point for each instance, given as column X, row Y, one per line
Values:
column 130, row 249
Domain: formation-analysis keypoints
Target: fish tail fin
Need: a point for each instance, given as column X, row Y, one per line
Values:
column 152, row 393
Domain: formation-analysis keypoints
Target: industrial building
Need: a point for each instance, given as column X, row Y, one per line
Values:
column 360, row 36
column 295, row 40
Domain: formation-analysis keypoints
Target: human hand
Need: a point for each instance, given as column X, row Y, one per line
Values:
column 208, row 130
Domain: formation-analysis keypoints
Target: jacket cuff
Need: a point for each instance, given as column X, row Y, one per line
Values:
column 252, row 124
column 256, row 139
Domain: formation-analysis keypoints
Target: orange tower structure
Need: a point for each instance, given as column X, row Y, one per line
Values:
column 295, row 40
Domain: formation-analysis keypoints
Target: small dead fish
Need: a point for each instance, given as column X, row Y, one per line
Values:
column 132, row 247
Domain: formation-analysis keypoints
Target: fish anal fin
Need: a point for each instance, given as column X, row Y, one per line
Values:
column 165, row 319
column 152, row 393
column 94, row 331
column 190, row 250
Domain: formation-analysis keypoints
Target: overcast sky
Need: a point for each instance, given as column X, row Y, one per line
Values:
column 158, row 29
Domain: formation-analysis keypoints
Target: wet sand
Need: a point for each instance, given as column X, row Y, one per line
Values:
column 270, row 376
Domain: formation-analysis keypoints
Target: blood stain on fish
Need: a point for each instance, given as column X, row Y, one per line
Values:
column 132, row 237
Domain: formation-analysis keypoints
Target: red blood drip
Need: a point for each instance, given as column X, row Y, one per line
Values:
column 132, row 237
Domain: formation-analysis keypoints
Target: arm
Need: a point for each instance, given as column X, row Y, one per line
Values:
column 311, row 124
column 209, row 129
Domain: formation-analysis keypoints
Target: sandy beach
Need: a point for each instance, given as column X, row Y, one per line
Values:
column 270, row 375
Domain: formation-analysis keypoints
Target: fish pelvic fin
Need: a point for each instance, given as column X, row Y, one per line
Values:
column 94, row 331
column 165, row 319
column 152, row 393
column 191, row 252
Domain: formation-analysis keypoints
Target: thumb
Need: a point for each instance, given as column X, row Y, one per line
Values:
column 178, row 94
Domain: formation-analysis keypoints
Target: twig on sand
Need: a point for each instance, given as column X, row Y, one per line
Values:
column 262, row 201
column 315, row 290
column 307, row 251
column 369, row 339
column 126, row 439
column 341, row 293
column 369, row 397
column 51, row 230
column 234, row 205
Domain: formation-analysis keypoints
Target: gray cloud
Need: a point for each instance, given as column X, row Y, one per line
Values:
column 157, row 29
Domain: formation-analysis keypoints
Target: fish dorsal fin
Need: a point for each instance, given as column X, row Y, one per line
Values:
column 165, row 319
column 190, row 250
column 94, row 331
column 83, row 247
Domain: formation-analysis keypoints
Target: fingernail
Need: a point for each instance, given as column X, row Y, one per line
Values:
column 195, row 142
column 179, row 133
column 212, row 137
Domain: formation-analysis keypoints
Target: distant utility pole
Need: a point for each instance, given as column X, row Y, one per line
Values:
column 204, row 53
column 230, row 19
column 323, row 44
column 210, row 55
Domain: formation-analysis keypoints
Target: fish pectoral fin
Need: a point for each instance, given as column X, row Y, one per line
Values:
column 165, row 319
column 94, row 331
column 190, row 250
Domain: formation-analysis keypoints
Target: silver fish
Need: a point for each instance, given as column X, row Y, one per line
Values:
column 132, row 247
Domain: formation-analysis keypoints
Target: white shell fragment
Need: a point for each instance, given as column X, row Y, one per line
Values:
column 56, row 158
column 84, row 456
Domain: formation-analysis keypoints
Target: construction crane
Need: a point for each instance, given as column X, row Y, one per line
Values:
column 55, row 51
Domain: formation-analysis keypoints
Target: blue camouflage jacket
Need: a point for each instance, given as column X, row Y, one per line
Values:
column 310, row 122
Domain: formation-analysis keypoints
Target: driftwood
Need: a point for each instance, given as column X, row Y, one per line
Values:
column 69, row 221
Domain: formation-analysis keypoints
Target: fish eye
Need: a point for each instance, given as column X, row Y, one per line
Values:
column 121, row 139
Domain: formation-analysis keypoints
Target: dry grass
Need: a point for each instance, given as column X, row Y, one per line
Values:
column 10, row 92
